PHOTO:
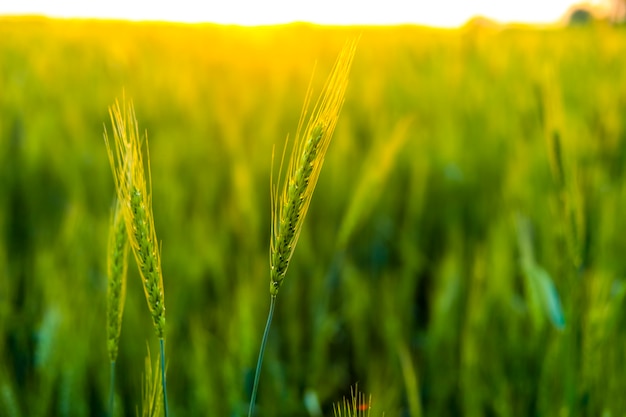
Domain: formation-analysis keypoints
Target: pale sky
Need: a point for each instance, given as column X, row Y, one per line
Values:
column 446, row 13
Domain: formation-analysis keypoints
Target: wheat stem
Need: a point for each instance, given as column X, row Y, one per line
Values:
column 164, row 385
column 259, row 363
column 112, row 389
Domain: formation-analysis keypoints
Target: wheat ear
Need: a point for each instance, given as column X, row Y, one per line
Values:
column 358, row 406
column 117, row 265
column 135, row 194
column 134, row 191
column 289, row 207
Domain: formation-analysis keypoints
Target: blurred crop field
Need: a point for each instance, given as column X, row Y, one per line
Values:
column 464, row 253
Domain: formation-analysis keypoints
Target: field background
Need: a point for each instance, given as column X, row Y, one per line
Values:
column 464, row 253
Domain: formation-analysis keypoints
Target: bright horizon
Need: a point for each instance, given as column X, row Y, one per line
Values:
column 441, row 13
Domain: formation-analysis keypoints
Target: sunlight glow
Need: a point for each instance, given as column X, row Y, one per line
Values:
column 444, row 13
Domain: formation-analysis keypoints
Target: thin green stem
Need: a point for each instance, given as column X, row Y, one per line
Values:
column 112, row 390
column 162, row 343
column 257, row 373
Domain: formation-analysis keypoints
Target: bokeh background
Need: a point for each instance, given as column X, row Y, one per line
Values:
column 463, row 253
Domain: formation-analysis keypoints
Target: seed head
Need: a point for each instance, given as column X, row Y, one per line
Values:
column 290, row 205
column 134, row 193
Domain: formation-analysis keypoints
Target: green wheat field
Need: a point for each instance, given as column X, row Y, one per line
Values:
column 464, row 253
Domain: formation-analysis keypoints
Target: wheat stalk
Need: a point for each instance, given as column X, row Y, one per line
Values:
column 289, row 205
column 134, row 192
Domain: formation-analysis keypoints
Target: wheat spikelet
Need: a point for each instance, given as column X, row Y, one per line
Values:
column 117, row 265
column 151, row 404
column 307, row 156
column 358, row 406
column 134, row 192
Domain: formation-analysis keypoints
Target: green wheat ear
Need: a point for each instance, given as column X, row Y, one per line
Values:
column 134, row 191
column 117, row 266
column 290, row 205
column 133, row 186
column 151, row 403
column 357, row 406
